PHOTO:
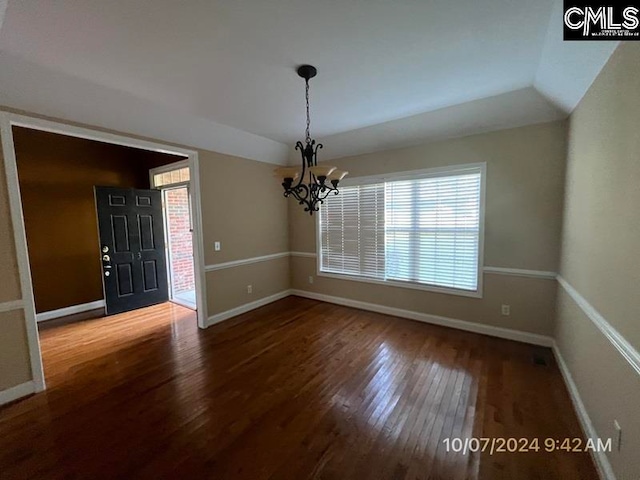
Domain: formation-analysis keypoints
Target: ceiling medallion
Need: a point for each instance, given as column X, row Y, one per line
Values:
column 314, row 182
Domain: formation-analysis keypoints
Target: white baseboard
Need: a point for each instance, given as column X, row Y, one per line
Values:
column 19, row 391
column 520, row 272
column 247, row 307
column 599, row 457
column 63, row 312
column 499, row 332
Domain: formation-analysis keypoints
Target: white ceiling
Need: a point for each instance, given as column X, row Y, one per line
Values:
column 3, row 10
column 567, row 69
column 508, row 110
column 221, row 74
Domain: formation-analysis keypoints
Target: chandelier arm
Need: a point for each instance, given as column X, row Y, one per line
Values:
column 329, row 186
column 325, row 194
column 307, row 199
column 290, row 193
column 322, row 192
column 300, row 147
column 298, row 193
column 299, row 199
column 315, row 153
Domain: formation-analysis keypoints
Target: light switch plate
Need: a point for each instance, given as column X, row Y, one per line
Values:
column 216, row 246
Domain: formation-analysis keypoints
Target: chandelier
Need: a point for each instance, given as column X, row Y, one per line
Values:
column 314, row 182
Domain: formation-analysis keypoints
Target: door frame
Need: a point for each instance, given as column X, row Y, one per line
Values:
column 167, row 238
column 167, row 241
column 9, row 120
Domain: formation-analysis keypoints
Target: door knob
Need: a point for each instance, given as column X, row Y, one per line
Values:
column 106, row 258
column 105, row 249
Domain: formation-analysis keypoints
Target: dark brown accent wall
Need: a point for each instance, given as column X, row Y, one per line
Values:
column 57, row 174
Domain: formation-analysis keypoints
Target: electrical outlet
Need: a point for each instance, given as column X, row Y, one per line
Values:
column 249, row 288
column 506, row 310
column 618, row 430
column 216, row 246
column 310, row 278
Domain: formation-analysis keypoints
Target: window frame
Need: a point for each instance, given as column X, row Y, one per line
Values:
column 169, row 167
column 450, row 170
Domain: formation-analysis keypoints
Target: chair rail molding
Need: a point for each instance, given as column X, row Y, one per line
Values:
column 520, row 272
column 630, row 354
column 245, row 261
column 11, row 305
column 514, row 272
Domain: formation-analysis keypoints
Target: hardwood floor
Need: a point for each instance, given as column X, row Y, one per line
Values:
column 297, row 389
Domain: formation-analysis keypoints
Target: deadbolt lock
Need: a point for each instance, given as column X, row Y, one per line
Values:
column 106, row 258
column 105, row 249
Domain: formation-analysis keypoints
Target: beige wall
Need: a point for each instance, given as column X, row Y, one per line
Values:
column 15, row 366
column 601, row 258
column 9, row 276
column 600, row 254
column 243, row 208
column 525, row 181
column 531, row 299
column 607, row 384
column 228, row 287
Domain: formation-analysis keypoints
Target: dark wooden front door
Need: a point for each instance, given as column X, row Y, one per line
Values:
column 134, row 271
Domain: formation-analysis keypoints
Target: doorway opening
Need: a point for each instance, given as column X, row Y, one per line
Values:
column 173, row 181
column 68, row 185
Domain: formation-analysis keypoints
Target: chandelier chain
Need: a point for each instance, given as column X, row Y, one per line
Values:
column 308, row 135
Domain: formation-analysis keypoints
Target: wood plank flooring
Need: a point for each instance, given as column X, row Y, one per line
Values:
column 298, row 389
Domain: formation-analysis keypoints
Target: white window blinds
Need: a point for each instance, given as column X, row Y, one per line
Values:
column 433, row 230
column 352, row 231
column 423, row 231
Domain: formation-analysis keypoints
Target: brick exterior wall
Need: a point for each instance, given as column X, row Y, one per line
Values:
column 177, row 206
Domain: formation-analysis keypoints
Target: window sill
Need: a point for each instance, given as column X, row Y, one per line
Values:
column 408, row 285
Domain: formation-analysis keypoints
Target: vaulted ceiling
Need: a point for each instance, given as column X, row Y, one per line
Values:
column 221, row 74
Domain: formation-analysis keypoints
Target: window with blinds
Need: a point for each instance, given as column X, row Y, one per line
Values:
column 352, row 232
column 420, row 231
